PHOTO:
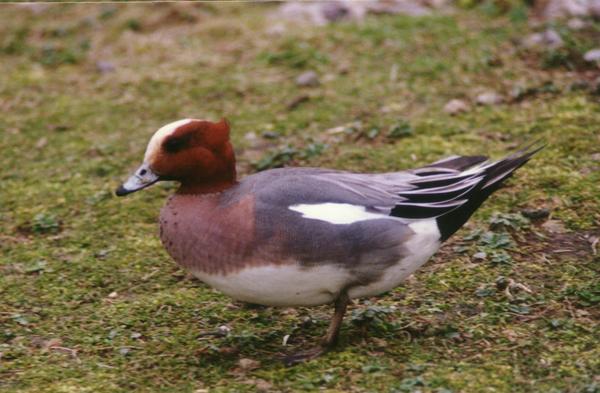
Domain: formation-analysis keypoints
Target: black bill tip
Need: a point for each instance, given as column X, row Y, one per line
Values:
column 122, row 191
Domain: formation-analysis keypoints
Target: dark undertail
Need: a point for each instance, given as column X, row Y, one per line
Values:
column 452, row 221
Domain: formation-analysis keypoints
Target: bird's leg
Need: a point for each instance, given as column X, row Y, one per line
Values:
column 341, row 304
column 329, row 341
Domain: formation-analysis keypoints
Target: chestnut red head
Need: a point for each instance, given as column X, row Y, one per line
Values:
column 197, row 153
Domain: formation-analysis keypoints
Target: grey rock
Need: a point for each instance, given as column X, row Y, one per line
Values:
column 592, row 55
column 308, row 79
column 489, row 98
column 334, row 11
column 554, row 226
column 535, row 214
column 480, row 255
column 456, row 106
column 104, row 67
column 576, row 24
column 403, row 7
column 556, row 9
column 324, row 12
column 547, row 39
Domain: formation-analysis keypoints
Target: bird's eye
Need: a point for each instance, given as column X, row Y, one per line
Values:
column 175, row 144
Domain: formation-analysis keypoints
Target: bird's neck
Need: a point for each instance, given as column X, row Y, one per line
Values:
column 210, row 187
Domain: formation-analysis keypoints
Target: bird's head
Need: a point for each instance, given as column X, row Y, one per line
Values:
column 197, row 153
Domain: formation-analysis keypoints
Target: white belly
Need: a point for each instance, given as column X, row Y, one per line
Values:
column 420, row 248
column 284, row 285
column 296, row 285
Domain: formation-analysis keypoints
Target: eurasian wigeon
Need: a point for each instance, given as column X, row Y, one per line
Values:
column 306, row 236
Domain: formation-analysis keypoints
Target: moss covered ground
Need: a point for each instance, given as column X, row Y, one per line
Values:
column 89, row 300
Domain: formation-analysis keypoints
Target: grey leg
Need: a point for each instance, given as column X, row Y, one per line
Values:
column 329, row 341
column 341, row 304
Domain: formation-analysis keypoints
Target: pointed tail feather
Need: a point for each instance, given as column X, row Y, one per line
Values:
column 493, row 177
column 452, row 189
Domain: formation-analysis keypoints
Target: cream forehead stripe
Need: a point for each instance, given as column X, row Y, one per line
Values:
column 160, row 135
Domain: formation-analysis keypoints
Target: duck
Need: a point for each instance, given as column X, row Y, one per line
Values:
column 301, row 236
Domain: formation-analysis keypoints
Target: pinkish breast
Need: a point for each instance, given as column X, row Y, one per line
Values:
column 202, row 233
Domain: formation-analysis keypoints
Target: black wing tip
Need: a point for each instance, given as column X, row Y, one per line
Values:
column 529, row 149
column 459, row 163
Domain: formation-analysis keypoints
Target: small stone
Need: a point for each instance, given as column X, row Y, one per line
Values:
column 343, row 68
column 456, row 106
column 308, row 79
column 535, row 214
column 224, row 329
column 250, row 136
column 297, row 101
column 334, row 11
column 379, row 342
column 501, row 283
column 41, row 143
column 270, row 135
column 554, row 226
column 547, row 39
column 595, row 157
column 336, row 130
column 113, row 295
column 104, row 67
column 480, row 256
column 592, row 55
column 102, row 254
column 263, row 386
column 489, row 98
column 248, row 364
column 576, row 24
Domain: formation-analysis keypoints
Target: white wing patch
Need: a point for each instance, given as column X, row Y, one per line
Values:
column 337, row 213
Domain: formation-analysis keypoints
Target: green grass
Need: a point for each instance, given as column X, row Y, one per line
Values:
column 91, row 302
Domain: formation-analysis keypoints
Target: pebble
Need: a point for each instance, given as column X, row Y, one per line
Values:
column 41, row 143
column 334, row 11
column 554, row 226
column 296, row 101
column 535, row 214
column 592, row 55
column 456, row 106
column 480, row 256
column 263, row 386
column 489, row 98
column 308, row 79
column 104, row 67
column 576, row 24
column 547, row 39
column 248, row 364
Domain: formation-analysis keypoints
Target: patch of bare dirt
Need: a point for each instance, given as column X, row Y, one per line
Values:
column 563, row 244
